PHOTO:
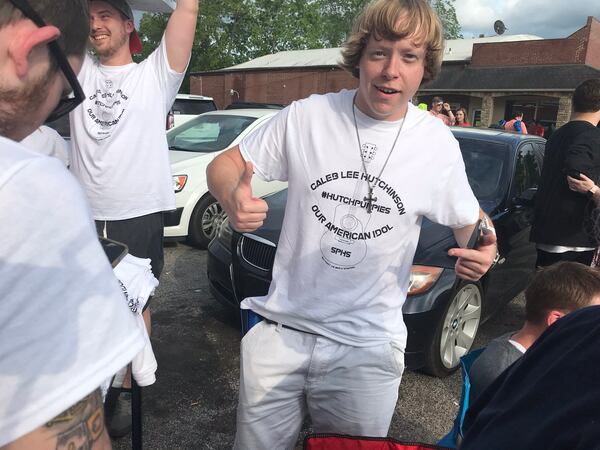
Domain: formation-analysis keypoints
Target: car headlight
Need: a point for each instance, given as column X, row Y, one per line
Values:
column 224, row 232
column 179, row 182
column 422, row 278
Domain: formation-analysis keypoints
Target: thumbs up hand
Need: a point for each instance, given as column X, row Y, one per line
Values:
column 248, row 211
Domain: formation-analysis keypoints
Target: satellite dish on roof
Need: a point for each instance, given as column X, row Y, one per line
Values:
column 499, row 27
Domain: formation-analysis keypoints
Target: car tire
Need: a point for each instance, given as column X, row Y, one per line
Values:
column 456, row 330
column 204, row 221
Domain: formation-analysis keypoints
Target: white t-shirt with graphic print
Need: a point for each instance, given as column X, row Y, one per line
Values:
column 119, row 146
column 340, row 271
column 64, row 323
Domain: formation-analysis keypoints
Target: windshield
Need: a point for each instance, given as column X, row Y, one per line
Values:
column 192, row 106
column 208, row 133
column 486, row 166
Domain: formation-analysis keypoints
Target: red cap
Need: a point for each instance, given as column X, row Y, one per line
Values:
column 135, row 44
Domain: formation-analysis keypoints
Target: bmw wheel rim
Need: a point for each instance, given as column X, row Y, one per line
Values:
column 210, row 219
column 460, row 325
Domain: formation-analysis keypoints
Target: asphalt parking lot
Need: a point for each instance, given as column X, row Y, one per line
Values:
column 196, row 341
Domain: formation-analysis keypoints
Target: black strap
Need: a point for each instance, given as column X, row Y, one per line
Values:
column 272, row 322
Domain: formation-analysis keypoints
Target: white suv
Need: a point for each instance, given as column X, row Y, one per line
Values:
column 188, row 106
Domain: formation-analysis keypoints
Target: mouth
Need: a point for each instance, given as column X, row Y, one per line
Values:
column 98, row 38
column 385, row 90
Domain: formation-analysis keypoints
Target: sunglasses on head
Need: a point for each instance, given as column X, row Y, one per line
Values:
column 67, row 103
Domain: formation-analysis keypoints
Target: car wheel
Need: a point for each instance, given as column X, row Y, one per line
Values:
column 204, row 221
column 456, row 330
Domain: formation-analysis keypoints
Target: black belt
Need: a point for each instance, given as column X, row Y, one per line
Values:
column 272, row 322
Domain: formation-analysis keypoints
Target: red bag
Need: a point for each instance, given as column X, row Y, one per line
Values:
column 340, row 442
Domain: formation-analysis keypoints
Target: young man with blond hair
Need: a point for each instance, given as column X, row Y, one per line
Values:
column 363, row 169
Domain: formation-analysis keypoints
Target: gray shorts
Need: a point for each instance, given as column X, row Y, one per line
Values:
column 143, row 235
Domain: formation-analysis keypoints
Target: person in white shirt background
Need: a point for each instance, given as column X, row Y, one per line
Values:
column 118, row 138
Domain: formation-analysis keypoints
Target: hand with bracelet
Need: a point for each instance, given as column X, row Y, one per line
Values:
column 473, row 263
column 584, row 185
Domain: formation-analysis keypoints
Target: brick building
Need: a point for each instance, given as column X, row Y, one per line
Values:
column 492, row 77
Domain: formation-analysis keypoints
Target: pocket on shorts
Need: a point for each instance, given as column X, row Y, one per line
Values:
column 250, row 337
column 396, row 358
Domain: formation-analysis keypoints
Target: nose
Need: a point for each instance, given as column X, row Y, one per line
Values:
column 94, row 23
column 391, row 68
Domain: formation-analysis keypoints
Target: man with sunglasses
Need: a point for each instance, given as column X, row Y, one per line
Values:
column 120, row 150
column 64, row 323
column 442, row 111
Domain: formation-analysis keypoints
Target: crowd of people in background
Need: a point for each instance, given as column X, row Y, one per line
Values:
column 459, row 116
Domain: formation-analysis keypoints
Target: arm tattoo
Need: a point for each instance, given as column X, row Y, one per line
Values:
column 81, row 425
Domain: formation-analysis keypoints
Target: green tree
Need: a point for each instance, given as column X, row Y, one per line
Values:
column 337, row 17
column 447, row 13
column 230, row 32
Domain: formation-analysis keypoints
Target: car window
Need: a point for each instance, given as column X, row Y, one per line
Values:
column 485, row 165
column 208, row 133
column 538, row 149
column 527, row 170
column 192, row 107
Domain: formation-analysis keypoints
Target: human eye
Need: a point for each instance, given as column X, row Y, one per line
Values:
column 410, row 57
column 378, row 53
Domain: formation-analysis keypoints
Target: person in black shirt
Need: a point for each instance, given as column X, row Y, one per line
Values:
column 562, row 227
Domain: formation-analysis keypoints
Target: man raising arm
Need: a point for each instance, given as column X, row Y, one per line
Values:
column 120, row 151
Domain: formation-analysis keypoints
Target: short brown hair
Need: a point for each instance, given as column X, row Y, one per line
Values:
column 586, row 98
column 71, row 17
column 564, row 286
column 394, row 20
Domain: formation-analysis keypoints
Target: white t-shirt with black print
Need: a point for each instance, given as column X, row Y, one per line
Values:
column 119, row 145
column 339, row 271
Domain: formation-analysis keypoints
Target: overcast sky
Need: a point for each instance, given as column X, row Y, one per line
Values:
column 545, row 18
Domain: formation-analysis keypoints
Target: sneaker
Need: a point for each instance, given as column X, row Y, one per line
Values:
column 119, row 424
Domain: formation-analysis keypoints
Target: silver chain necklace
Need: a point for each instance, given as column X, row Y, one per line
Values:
column 369, row 198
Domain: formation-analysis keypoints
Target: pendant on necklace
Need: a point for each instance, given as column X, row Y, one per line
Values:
column 370, row 199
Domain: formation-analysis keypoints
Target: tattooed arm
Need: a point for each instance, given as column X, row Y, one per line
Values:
column 80, row 427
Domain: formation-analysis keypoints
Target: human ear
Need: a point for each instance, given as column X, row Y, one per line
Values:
column 25, row 41
column 553, row 316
